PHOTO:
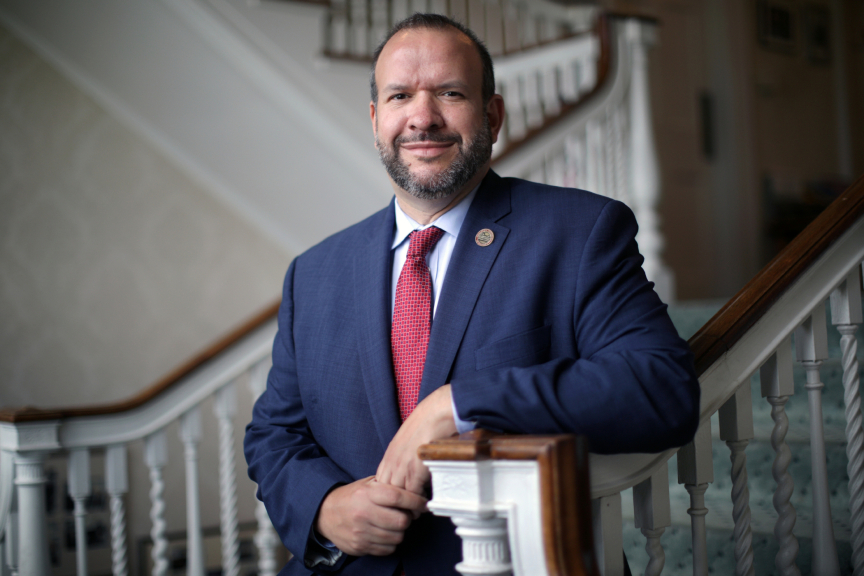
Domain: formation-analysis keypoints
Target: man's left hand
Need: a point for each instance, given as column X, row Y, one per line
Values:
column 432, row 419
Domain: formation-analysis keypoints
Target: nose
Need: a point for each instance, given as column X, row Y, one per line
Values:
column 425, row 114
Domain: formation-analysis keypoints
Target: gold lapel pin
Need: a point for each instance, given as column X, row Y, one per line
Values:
column 484, row 237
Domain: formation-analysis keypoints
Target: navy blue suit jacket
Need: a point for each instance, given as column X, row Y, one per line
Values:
column 552, row 328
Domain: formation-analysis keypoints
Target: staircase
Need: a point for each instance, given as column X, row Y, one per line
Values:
column 228, row 90
column 688, row 318
column 749, row 341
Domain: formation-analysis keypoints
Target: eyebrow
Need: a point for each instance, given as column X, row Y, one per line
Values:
column 444, row 86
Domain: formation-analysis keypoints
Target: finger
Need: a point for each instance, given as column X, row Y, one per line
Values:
column 417, row 478
column 390, row 519
column 387, row 537
column 394, row 497
column 384, row 472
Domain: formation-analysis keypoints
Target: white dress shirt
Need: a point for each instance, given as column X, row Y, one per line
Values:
column 438, row 260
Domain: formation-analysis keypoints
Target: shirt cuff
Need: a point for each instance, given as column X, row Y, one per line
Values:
column 462, row 426
column 320, row 550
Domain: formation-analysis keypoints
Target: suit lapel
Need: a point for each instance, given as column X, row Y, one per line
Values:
column 372, row 272
column 469, row 266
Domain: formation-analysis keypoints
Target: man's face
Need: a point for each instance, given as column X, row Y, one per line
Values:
column 431, row 127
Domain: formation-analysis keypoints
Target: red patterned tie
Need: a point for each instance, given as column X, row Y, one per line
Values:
column 412, row 318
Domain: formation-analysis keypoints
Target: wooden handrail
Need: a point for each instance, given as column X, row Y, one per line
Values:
column 565, row 489
column 193, row 364
column 732, row 321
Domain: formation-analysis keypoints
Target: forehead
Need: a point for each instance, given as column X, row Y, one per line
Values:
column 424, row 54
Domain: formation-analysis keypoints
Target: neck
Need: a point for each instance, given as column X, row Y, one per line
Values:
column 426, row 211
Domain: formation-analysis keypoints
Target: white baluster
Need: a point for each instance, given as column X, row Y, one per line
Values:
column 652, row 515
column 515, row 109
column 811, row 348
column 156, row 456
column 32, row 531
column 551, row 96
column 190, row 435
column 11, row 537
column 736, row 429
column 593, row 166
column 696, row 471
column 555, row 169
column 266, row 539
column 587, row 72
column 645, row 179
column 79, row 491
column 576, row 159
column 608, row 534
column 7, row 491
column 846, row 316
column 777, row 386
column 117, row 484
column 532, row 99
column 609, row 157
column 619, row 162
column 225, row 407
column 569, row 81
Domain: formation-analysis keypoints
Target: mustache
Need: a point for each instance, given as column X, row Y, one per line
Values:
column 428, row 137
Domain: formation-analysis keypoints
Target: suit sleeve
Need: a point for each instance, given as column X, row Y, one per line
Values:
column 630, row 387
column 292, row 472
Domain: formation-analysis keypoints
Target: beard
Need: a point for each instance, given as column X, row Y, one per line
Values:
column 469, row 159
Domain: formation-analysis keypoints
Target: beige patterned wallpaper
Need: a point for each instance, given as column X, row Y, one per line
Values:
column 114, row 265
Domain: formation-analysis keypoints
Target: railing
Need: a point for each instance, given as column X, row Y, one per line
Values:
column 28, row 436
column 546, row 87
column 605, row 144
column 753, row 332
column 353, row 28
column 575, row 84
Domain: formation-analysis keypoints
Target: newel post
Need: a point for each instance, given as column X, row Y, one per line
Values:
column 464, row 492
column 644, row 168
column 31, row 443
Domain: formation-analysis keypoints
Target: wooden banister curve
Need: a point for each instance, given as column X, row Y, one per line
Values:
column 193, row 364
column 744, row 309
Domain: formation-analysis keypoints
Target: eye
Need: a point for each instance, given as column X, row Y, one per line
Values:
column 400, row 96
column 452, row 94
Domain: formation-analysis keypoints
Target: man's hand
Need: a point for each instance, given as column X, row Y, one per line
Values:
column 431, row 420
column 367, row 517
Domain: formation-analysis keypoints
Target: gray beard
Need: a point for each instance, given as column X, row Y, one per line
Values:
column 466, row 164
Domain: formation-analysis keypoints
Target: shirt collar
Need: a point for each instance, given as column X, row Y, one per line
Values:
column 450, row 222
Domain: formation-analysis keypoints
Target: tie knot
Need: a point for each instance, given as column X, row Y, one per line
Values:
column 422, row 241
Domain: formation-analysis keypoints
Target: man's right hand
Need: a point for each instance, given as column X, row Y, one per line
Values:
column 367, row 517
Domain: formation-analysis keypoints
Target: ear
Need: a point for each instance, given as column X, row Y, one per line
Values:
column 372, row 117
column 495, row 112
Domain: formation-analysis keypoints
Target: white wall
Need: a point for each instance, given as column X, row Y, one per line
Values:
column 115, row 266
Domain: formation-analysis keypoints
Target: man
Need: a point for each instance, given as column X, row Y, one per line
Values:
column 472, row 299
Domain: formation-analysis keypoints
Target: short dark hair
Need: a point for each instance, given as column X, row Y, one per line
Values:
column 438, row 22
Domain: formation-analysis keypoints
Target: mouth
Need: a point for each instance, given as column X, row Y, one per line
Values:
column 428, row 146
column 427, row 149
